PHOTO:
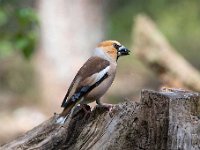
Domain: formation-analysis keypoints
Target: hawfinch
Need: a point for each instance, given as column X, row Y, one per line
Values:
column 94, row 77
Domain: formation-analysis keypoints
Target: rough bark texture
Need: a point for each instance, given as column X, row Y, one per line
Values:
column 154, row 50
column 167, row 119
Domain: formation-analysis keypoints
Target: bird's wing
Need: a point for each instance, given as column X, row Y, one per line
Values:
column 90, row 75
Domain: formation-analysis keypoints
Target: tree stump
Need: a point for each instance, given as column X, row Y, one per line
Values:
column 168, row 119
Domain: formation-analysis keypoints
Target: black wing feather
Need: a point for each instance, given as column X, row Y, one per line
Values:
column 82, row 91
column 97, row 64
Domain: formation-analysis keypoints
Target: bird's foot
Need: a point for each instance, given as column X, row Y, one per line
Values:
column 86, row 108
column 83, row 108
column 108, row 107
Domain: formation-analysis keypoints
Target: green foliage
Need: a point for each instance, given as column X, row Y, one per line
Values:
column 18, row 28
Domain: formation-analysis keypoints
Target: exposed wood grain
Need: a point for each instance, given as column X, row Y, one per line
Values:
column 167, row 119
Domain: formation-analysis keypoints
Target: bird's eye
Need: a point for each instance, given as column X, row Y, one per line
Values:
column 116, row 46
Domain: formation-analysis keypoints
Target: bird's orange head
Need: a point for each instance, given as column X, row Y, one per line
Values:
column 113, row 49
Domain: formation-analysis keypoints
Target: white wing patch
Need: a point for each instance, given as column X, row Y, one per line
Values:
column 99, row 75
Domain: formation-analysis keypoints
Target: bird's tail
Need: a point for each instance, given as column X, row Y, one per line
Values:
column 66, row 111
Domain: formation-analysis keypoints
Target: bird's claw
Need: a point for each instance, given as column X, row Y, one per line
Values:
column 108, row 107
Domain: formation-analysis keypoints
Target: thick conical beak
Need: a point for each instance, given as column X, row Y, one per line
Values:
column 123, row 51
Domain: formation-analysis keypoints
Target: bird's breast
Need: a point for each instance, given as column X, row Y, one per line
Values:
column 100, row 90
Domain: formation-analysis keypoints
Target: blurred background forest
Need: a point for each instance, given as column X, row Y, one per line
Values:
column 43, row 44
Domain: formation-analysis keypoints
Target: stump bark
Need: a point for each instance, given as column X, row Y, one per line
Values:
column 168, row 119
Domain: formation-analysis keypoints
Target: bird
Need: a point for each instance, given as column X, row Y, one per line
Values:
column 94, row 78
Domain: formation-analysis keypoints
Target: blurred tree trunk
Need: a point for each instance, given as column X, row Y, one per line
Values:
column 152, row 48
column 69, row 31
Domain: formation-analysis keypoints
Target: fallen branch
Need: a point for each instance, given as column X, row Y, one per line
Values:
column 162, row 120
column 154, row 50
